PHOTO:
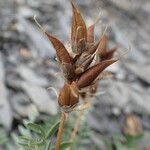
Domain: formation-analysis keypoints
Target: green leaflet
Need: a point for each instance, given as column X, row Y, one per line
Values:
column 36, row 128
column 52, row 130
column 64, row 145
column 29, row 142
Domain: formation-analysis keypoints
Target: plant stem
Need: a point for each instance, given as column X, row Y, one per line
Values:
column 77, row 125
column 60, row 130
column 48, row 145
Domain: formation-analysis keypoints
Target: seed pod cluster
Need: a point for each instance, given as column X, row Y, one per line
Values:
column 80, row 70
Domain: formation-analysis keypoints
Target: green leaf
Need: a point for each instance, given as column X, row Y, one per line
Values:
column 52, row 130
column 65, row 145
column 35, row 127
column 29, row 142
column 24, row 131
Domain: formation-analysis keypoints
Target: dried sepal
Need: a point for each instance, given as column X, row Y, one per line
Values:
column 68, row 96
column 61, row 52
column 78, row 31
column 81, row 67
column 68, row 71
column 92, row 73
column 90, row 91
column 82, row 58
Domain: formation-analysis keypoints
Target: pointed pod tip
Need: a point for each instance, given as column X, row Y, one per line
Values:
column 113, row 60
column 48, row 34
column 72, row 4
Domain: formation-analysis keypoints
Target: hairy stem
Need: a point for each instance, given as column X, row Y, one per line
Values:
column 77, row 125
column 60, row 130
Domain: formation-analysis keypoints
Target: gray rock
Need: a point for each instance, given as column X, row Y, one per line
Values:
column 30, row 76
column 5, row 109
column 40, row 97
column 139, row 99
column 22, row 106
column 126, row 96
column 117, row 94
column 98, row 141
column 140, row 70
column 37, row 40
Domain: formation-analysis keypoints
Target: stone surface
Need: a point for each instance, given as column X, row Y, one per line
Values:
column 30, row 76
column 40, row 97
column 142, row 71
column 5, row 109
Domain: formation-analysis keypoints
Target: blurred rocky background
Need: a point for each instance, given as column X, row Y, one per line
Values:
column 28, row 66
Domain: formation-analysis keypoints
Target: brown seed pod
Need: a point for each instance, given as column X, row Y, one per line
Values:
column 102, row 44
column 61, row 51
column 78, row 31
column 80, row 46
column 92, row 73
column 63, row 56
column 90, row 34
column 92, row 48
column 69, row 95
column 108, row 54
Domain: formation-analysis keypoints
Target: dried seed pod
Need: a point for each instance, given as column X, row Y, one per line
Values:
column 108, row 54
column 78, row 31
column 132, row 125
column 76, row 58
column 90, row 34
column 81, row 46
column 68, row 96
column 92, row 48
column 61, row 51
column 92, row 73
column 102, row 44
column 63, row 56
